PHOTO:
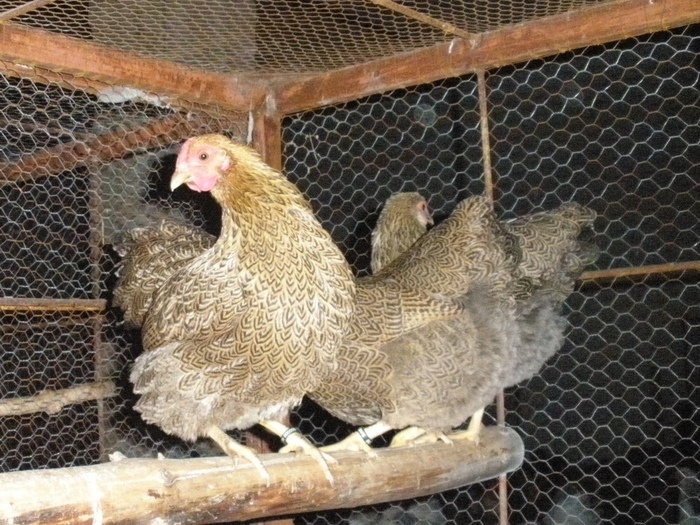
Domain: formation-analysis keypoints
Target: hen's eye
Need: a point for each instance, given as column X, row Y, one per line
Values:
column 203, row 156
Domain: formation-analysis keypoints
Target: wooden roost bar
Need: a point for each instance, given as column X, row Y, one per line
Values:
column 208, row 490
column 214, row 490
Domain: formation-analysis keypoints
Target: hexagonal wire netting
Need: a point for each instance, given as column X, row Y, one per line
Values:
column 608, row 425
column 77, row 170
column 276, row 36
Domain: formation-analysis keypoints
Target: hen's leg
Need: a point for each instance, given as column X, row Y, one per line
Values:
column 295, row 441
column 236, row 450
column 360, row 440
column 474, row 428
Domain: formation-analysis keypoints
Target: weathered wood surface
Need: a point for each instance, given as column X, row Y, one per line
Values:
column 605, row 22
column 53, row 401
column 56, row 52
column 215, row 490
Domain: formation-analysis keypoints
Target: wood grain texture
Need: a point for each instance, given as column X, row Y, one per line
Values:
column 214, row 490
column 539, row 38
column 60, row 53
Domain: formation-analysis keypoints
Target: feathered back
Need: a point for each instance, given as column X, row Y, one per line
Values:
column 469, row 246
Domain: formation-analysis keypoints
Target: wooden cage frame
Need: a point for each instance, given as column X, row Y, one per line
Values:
column 204, row 489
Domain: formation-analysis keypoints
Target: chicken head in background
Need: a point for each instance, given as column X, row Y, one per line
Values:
column 404, row 218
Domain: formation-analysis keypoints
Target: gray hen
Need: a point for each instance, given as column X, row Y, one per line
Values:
column 441, row 330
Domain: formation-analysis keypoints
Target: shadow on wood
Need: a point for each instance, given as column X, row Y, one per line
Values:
column 211, row 490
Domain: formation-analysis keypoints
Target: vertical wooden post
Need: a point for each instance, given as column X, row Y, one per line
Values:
column 485, row 140
column 266, row 135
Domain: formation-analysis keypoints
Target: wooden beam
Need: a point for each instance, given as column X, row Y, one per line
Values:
column 643, row 271
column 52, row 402
column 215, row 490
column 10, row 304
column 267, row 137
column 539, row 38
column 108, row 146
column 34, row 47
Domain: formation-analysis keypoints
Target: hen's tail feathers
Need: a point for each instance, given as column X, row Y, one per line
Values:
column 556, row 247
column 149, row 257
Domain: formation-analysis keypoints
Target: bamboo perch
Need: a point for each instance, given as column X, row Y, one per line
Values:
column 215, row 490
column 52, row 402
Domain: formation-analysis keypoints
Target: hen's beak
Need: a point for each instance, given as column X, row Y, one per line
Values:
column 180, row 176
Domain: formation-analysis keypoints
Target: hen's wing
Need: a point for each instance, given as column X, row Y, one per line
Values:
column 226, row 334
column 150, row 256
column 358, row 391
column 552, row 252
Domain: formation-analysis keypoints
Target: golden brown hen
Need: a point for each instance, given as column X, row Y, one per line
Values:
column 241, row 332
column 404, row 218
column 442, row 329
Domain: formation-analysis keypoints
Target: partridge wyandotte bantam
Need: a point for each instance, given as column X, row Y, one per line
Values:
column 238, row 334
column 453, row 320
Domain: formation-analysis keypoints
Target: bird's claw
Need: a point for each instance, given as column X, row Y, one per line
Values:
column 235, row 451
column 296, row 442
column 354, row 442
column 406, row 437
column 470, row 434
column 414, row 435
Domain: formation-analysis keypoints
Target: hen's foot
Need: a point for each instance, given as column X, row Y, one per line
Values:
column 355, row 442
column 235, row 450
column 294, row 441
column 415, row 435
column 473, row 430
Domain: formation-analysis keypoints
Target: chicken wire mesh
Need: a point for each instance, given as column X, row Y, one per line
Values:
column 79, row 166
column 609, row 425
column 273, row 36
